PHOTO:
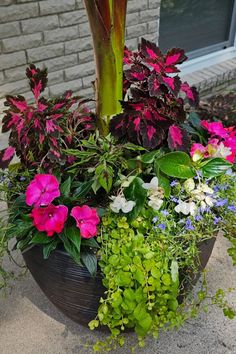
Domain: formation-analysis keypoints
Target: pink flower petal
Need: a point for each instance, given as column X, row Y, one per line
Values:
column 50, row 219
column 42, row 190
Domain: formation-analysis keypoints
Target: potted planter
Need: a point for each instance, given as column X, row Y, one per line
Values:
column 140, row 185
column 72, row 289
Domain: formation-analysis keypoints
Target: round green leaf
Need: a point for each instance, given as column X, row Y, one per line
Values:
column 176, row 164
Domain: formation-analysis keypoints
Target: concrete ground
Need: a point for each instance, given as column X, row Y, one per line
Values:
column 30, row 324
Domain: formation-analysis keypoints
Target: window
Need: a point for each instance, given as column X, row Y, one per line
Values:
column 198, row 26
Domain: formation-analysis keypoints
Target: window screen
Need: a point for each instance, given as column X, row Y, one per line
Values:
column 195, row 24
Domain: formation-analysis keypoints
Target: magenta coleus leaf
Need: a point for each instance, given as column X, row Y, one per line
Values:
column 17, row 103
column 137, row 72
column 174, row 57
column 178, row 138
column 154, row 85
column 37, row 79
column 191, row 93
column 6, row 156
column 173, row 83
column 150, row 50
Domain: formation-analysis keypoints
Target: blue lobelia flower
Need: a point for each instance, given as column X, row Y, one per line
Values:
column 188, row 225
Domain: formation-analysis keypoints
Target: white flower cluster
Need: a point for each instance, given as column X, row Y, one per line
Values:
column 201, row 193
column 155, row 193
column 119, row 203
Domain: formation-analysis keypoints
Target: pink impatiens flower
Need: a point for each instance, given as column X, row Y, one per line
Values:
column 42, row 190
column 87, row 220
column 215, row 128
column 50, row 219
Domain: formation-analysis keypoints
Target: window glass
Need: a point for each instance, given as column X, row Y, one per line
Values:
column 195, row 24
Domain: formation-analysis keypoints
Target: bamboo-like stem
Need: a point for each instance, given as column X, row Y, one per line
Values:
column 107, row 23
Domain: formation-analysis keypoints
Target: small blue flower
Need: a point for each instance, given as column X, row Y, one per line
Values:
column 2, row 178
column 155, row 219
column 10, row 185
column 232, row 208
column 229, row 172
column 221, row 202
column 164, row 212
column 22, row 178
column 173, row 183
column 173, row 199
column 162, row 226
column 216, row 188
column 188, row 225
column 198, row 217
column 205, row 209
column 217, row 220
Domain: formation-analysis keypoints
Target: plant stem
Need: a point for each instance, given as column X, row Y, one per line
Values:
column 107, row 23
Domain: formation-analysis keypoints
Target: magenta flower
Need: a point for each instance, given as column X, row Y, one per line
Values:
column 50, row 219
column 87, row 220
column 215, row 128
column 42, row 190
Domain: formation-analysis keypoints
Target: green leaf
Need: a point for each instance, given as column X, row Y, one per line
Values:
column 90, row 242
column 174, row 271
column 176, row 164
column 65, row 187
column 73, row 234
column 146, row 322
column 215, row 167
column 20, row 229
column 139, row 276
column 173, row 304
column 229, row 312
column 24, row 243
column 90, row 261
column 163, row 180
column 133, row 147
column 105, row 176
column 123, row 278
column 47, row 249
column 138, row 194
column 149, row 157
column 70, row 248
column 195, row 120
column 83, row 188
column 40, row 238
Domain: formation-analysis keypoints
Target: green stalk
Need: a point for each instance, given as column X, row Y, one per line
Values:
column 107, row 23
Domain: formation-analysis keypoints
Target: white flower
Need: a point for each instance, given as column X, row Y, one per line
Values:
column 189, row 185
column 120, row 203
column 155, row 203
column 186, row 208
column 209, row 201
column 127, row 181
column 222, row 151
column 206, row 189
column 152, row 186
column 198, row 194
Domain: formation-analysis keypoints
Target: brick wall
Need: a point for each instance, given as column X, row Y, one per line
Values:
column 55, row 33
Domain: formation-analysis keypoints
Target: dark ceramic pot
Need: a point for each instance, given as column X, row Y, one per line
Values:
column 71, row 288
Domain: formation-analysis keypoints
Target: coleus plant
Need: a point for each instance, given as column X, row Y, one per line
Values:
column 39, row 132
column 152, row 107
